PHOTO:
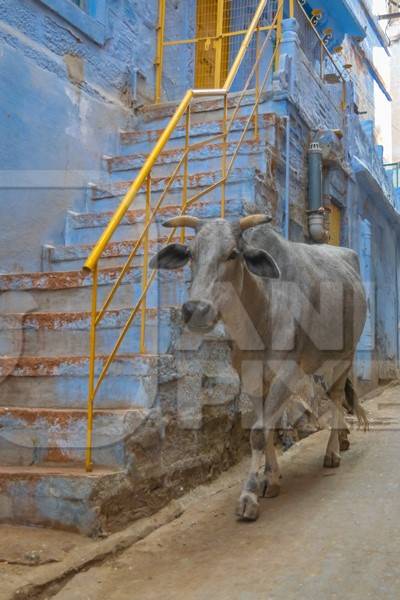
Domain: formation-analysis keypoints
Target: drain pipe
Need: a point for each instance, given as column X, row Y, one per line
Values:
column 287, row 179
column 315, row 212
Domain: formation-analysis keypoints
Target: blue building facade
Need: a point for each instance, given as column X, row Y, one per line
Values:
column 77, row 121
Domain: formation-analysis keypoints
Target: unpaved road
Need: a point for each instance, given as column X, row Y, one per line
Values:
column 331, row 534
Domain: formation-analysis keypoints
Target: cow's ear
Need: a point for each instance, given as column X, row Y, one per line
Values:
column 261, row 263
column 173, row 256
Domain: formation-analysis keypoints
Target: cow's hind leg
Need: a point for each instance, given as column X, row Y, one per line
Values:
column 270, row 481
column 344, row 442
column 338, row 439
column 248, row 506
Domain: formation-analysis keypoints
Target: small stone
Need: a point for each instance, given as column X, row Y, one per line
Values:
column 33, row 557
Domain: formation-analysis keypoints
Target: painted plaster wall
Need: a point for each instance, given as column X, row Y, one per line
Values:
column 361, row 79
column 385, row 305
column 361, row 188
column 395, row 89
column 63, row 99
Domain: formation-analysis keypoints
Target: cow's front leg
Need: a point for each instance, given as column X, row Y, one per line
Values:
column 287, row 374
column 248, row 506
column 270, row 480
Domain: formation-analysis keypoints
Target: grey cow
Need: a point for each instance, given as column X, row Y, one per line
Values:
column 291, row 309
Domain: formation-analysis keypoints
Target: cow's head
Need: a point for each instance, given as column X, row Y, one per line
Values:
column 218, row 255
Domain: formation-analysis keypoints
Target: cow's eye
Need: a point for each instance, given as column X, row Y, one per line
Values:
column 234, row 254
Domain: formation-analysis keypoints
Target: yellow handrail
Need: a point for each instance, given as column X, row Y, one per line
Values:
column 155, row 153
column 144, row 179
column 137, row 184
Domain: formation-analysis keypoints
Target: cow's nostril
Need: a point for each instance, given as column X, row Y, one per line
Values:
column 187, row 310
column 203, row 308
column 193, row 310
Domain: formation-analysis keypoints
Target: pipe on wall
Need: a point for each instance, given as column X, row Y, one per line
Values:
column 314, row 176
column 316, row 217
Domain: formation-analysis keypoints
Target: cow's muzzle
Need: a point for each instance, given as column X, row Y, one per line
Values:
column 199, row 315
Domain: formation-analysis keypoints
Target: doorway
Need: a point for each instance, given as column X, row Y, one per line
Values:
column 335, row 224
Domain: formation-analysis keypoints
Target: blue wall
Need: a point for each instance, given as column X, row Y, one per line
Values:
column 357, row 182
column 63, row 99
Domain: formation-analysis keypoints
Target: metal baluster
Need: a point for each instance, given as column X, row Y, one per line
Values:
column 142, row 345
column 92, row 364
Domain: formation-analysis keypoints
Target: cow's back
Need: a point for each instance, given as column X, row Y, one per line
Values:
column 320, row 286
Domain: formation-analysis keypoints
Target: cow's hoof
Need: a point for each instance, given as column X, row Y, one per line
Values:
column 344, row 444
column 248, row 508
column 331, row 460
column 272, row 490
column 269, row 490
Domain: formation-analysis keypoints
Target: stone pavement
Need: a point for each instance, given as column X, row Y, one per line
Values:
column 330, row 534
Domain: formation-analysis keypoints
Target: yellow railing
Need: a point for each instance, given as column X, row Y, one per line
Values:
column 255, row 77
column 252, row 90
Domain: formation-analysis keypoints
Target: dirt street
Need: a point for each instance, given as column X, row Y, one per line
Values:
column 331, row 534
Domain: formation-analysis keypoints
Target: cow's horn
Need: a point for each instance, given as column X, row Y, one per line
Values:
column 253, row 220
column 184, row 221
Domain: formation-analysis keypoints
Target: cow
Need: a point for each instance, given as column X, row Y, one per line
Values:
column 291, row 308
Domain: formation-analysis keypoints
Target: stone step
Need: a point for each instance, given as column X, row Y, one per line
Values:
column 68, row 291
column 202, row 109
column 208, row 157
column 86, row 228
column 62, row 381
column 58, row 333
column 144, row 140
column 107, row 196
column 56, row 496
column 66, row 258
column 39, row 436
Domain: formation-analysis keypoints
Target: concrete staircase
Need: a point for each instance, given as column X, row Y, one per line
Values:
column 45, row 330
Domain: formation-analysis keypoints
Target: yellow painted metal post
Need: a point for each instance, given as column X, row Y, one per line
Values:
column 224, row 152
column 160, row 49
column 92, row 363
column 186, row 168
column 291, row 8
column 142, row 345
column 257, row 84
column 278, row 34
column 218, row 43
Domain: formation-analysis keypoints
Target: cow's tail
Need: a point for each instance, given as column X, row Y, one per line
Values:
column 355, row 406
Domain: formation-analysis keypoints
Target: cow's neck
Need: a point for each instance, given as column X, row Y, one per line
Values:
column 254, row 300
column 247, row 314
column 244, row 315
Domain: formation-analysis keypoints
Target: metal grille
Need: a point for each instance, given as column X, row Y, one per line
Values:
column 202, row 39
